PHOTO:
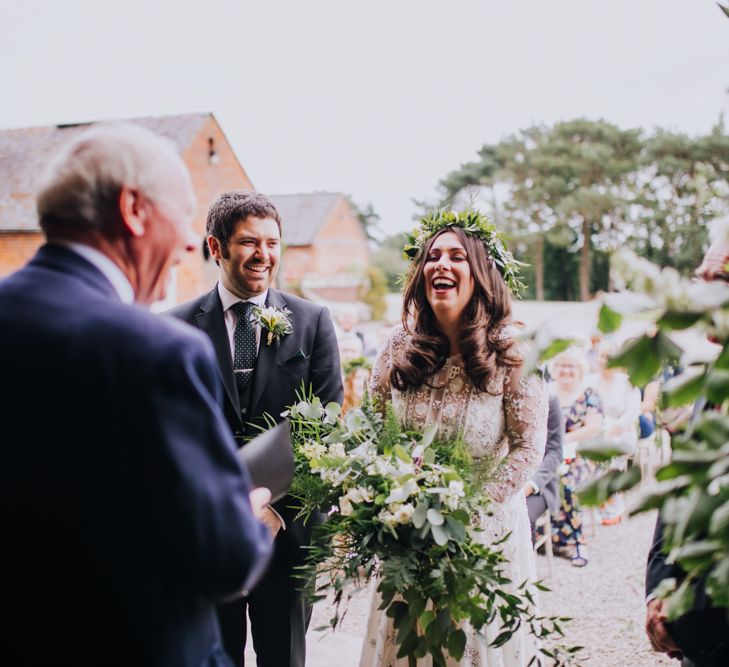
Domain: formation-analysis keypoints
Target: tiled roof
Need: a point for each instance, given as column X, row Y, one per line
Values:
column 302, row 216
column 23, row 153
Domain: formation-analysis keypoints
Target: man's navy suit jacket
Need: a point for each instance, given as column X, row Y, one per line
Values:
column 308, row 355
column 125, row 514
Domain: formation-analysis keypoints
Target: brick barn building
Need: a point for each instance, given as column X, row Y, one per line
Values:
column 326, row 245
column 326, row 252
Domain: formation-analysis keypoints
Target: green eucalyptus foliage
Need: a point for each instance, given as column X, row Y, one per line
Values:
column 433, row 572
column 692, row 492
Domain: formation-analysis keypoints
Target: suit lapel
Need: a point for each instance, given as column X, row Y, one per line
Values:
column 267, row 357
column 211, row 320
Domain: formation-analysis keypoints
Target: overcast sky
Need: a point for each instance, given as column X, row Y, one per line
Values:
column 378, row 99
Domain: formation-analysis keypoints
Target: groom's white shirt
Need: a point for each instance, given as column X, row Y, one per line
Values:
column 228, row 299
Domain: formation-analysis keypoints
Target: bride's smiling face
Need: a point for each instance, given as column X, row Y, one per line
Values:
column 449, row 283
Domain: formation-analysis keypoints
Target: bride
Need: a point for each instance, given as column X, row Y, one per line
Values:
column 454, row 363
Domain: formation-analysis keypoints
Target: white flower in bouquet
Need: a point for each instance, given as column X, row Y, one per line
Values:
column 333, row 476
column 404, row 513
column 454, row 492
column 382, row 468
column 365, row 453
column 387, row 518
column 313, row 450
column 399, row 494
column 405, row 468
column 345, row 506
column 431, row 477
column 360, row 494
column 336, row 449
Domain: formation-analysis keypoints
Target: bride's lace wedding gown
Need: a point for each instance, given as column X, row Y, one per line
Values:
column 508, row 424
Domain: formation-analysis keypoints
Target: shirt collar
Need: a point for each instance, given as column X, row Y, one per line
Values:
column 227, row 298
column 103, row 263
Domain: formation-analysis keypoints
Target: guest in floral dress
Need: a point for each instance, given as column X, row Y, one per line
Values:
column 620, row 402
column 583, row 420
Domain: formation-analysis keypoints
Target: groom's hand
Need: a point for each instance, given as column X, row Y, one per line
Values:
column 271, row 520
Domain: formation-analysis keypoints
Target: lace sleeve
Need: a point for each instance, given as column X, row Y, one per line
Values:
column 379, row 385
column 525, row 408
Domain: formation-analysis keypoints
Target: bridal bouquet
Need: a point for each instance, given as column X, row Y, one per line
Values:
column 405, row 508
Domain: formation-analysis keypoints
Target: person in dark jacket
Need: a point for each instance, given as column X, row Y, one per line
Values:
column 542, row 490
column 126, row 516
column 262, row 372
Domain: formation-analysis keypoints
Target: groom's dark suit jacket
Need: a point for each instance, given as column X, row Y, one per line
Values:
column 308, row 355
column 125, row 513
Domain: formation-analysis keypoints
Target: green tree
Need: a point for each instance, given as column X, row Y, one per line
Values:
column 471, row 176
column 682, row 185
column 375, row 291
column 599, row 157
column 537, row 178
column 570, row 174
column 368, row 218
column 592, row 187
column 388, row 258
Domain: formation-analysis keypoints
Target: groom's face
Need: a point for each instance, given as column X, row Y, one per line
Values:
column 249, row 260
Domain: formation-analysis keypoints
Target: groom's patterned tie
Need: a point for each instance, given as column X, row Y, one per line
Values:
column 244, row 337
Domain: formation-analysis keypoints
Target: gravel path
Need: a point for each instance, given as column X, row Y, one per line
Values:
column 605, row 600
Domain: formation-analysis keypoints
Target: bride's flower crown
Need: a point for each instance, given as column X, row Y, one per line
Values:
column 475, row 224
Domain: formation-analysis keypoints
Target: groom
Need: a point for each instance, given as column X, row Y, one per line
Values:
column 261, row 374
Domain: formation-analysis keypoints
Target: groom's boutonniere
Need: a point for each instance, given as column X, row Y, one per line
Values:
column 276, row 321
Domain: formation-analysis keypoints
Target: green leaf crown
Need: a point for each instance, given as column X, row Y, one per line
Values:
column 476, row 224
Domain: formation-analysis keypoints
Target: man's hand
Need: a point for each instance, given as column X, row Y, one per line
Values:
column 655, row 627
column 528, row 490
column 259, row 499
column 271, row 521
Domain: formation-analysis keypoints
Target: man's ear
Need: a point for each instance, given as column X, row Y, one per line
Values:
column 215, row 249
column 133, row 210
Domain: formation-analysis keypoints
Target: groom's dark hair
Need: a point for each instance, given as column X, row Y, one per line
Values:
column 232, row 207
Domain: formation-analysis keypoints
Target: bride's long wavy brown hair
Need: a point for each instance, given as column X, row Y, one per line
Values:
column 484, row 347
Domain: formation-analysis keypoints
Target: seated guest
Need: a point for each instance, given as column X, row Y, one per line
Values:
column 126, row 516
column 542, row 490
column 583, row 420
column 620, row 402
column 647, row 418
column 347, row 319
